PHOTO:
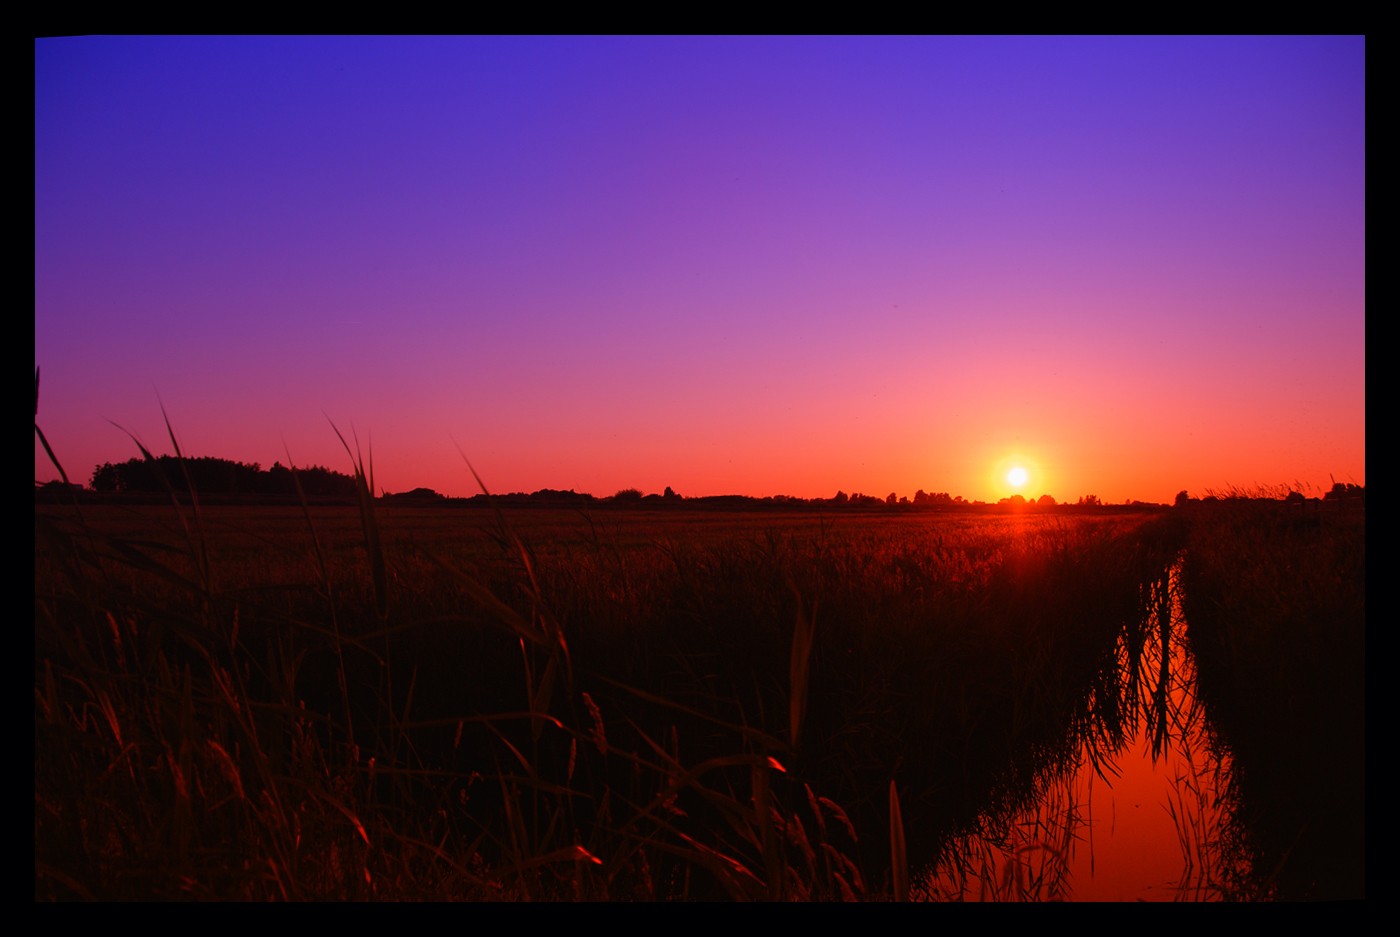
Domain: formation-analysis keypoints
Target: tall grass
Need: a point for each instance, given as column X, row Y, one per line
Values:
column 1276, row 597
column 787, row 710
column 1030, row 853
column 193, row 742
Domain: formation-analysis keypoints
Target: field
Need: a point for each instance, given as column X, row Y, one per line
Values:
column 1276, row 600
column 466, row 704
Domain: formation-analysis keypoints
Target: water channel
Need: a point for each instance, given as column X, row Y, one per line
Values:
column 1143, row 823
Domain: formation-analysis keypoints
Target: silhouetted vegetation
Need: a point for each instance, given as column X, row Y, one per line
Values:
column 146, row 480
column 315, row 738
column 211, row 476
column 1276, row 600
column 1342, row 491
column 590, row 703
column 419, row 496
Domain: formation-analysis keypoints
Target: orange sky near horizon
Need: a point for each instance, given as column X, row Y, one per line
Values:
column 729, row 266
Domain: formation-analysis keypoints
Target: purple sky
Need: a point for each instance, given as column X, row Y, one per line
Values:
column 728, row 265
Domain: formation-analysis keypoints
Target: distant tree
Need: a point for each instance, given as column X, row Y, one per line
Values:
column 553, row 494
column 216, row 476
column 318, row 481
column 417, row 494
column 670, row 495
column 891, row 498
column 279, row 480
column 1045, row 501
column 840, row 497
column 105, row 477
column 1091, row 501
column 628, row 494
column 56, row 491
column 1182, row 499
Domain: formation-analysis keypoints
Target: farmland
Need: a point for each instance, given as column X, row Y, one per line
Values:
column 532, row 704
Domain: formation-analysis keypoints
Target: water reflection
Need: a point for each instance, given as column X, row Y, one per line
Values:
column 1138, row 813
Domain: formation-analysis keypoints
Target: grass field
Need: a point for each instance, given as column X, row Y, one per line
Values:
column 457, row 703
column 1276, row 599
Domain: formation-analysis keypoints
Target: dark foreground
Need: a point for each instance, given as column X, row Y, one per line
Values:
column 406, row 703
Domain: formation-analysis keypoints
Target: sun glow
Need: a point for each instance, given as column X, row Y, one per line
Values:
column 1016, row 474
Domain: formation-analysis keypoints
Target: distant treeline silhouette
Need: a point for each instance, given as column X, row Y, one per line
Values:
column 138, row 479
column 218, row 476
column 243, row 482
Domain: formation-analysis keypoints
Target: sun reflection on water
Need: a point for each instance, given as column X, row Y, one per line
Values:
column 1131, row 825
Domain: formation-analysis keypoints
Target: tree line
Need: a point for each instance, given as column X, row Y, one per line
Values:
column 244, row 480
column 208, row 475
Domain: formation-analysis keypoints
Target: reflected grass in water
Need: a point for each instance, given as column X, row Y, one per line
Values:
column 1053, row 849
column 1268, row 796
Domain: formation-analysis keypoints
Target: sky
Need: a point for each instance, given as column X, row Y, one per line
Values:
column 728, row 265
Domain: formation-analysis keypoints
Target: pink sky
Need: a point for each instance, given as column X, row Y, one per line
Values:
column 727, row 265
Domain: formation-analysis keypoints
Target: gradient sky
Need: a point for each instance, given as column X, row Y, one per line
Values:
column 727, row 265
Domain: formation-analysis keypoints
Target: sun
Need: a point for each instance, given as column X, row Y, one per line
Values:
column 1015, row 473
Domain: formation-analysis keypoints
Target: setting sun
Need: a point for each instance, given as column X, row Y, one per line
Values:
column 1017, row 473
